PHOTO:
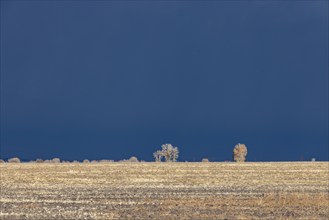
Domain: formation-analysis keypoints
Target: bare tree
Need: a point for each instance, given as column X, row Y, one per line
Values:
column 170, row 152
column 240, row 153
column 166, row 149
column 158, row 155
column 174, row 154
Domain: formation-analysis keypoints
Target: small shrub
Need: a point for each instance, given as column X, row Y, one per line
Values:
column 240, row 153
column 55, row 160
column 133, row 159
column 106, row 161
column 86, row 161
column 39, row 161
column 94, row 161
column 14, row 160
column 205, row 160
column 2, row 161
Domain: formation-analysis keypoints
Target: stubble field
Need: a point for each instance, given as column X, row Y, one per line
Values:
column 291, row 190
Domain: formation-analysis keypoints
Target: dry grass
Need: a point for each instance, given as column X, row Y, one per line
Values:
column 165, row 191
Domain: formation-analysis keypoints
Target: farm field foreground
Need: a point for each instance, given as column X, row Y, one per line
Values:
column 277, row 190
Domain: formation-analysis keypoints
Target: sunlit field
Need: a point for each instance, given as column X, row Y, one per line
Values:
column 290, row 190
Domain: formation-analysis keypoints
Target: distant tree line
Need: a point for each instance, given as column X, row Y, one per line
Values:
column 168, row 153
column 57, row 160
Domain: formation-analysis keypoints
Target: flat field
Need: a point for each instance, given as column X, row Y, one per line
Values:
column 290, row 190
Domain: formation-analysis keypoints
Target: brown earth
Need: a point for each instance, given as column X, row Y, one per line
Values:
column 290, row 190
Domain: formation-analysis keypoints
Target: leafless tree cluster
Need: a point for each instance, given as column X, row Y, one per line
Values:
column 168, row 152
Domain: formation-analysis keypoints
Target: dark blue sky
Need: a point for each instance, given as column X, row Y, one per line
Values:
column 84, row 79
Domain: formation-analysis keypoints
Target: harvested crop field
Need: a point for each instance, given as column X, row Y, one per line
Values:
column 290, row 190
